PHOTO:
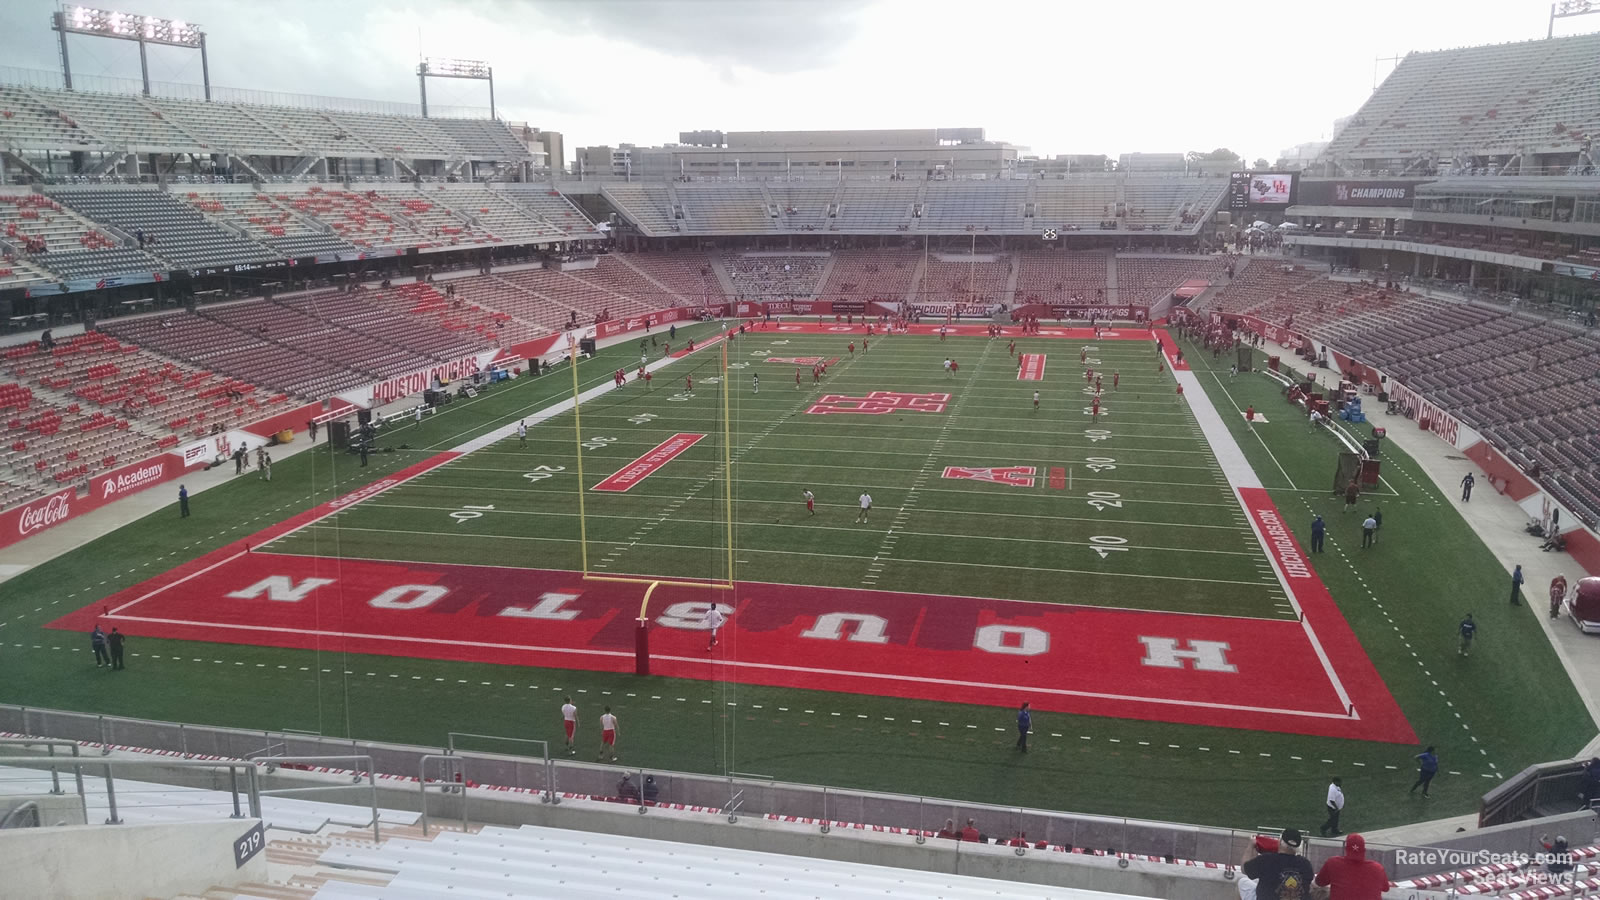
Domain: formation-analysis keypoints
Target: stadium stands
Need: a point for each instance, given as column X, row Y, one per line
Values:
column 649, row 206
column 549, row 205
column 550, row 861
column 178, row 233
column 1145, row 280
column 1525, row 384
column 45, row 119
column 1051, row 277
column 1528, row 97
column 268, row 221
column 167, row 397
column 959, row 207
column 884, row 275
column 980, row 280
column 686, row 275
column 775, row 277
column 52, row 443
column 42, row 235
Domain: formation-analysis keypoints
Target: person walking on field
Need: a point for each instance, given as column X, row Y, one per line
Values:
column 1468, row 630
column 1466, row 488
column 811, row 501
column 715, row 619
column 755, row 384
column 1558, row 593
column 608, row 735
column 97, row 642
column 522, row 433
column 114, row 642
column 569, row 724
column 1352, row 493
column 183, row 502
column 1427, row 767
column 1369, row 528
column 1330, row 828
column 866, row 507
column 1319, row 531
column 1024, row 724
column 1516, row 586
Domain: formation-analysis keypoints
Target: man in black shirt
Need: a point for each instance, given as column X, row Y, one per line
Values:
column 1285, row 875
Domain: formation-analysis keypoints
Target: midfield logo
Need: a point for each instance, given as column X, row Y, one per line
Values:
column 880, row 403
column 1016, row 476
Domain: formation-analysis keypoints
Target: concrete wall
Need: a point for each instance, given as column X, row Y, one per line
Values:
column 113, row 862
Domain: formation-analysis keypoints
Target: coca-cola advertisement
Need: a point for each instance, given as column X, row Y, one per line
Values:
column 32, row 518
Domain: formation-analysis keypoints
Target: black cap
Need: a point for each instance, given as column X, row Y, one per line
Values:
column 1291, row 837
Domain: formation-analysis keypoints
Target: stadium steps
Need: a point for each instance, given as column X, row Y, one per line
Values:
column 827, row 273
column 719, row 265
column 1010, row 294
column 916, row 279
column 625, row 259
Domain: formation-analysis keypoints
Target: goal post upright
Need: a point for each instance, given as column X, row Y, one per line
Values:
column 727, row 452
column 577, row 444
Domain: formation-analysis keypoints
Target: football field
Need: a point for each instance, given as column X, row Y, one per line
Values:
column 1136, row 574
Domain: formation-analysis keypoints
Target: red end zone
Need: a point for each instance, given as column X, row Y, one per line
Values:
column 1031, row 367
column 1202, row 670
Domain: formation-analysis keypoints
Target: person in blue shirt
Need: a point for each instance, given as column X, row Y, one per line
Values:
column 1427, row 767
column 1318, row 528
column 1024, row 723
column 1468, row 630
column 1516, row 586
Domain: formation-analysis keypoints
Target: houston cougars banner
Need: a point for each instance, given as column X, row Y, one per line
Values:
column 391, row 389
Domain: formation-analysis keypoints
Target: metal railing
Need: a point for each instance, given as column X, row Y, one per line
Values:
column 250, row 792
column 455, row 771
column 363, row 768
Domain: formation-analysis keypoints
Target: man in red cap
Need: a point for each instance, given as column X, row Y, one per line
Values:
column 1353, row 876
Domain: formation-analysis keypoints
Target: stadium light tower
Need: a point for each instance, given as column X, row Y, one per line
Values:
column 1568, row 8
column 129, row 27
column 454, row 68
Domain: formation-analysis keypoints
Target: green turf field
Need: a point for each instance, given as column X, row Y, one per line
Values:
column 1507, row 706
column 1157, row 491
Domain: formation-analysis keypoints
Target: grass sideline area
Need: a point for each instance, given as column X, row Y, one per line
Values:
column 1507, row 706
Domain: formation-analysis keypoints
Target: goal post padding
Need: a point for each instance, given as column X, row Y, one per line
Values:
column 1349, row 467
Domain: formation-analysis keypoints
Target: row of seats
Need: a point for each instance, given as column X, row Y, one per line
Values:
column 884, row 275
column 44, row 119
column 1526, row 97
column 775, row 277
column 1525, row 384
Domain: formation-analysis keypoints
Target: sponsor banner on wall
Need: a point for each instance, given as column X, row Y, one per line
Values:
column 1432, row 417
column 415, row 382
column 1096, row 312
column 47, row 512
column 1273, row 332
column 1357, row 193
column 31, row 518
column 134, row 478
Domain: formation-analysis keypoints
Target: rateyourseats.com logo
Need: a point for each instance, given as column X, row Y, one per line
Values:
column 1442, row 858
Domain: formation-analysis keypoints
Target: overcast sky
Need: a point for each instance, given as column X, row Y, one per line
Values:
column 1063, row 77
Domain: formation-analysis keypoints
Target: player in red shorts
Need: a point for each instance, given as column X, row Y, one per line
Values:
column 1097, row 384
column 1088, row 375
column 864, row 340
column 647, row 376
column 1095, row 409
column 1250, row 413
column 1115, row 377
column 1180, row 390
column 1012, row 349
column 811, row 501
column 852, row 349
column 608, row 735
column 569, row 721
column 816, row 374
column 797, row 378
column 688, row 384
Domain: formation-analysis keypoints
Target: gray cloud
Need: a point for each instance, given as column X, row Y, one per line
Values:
column 773, row 36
